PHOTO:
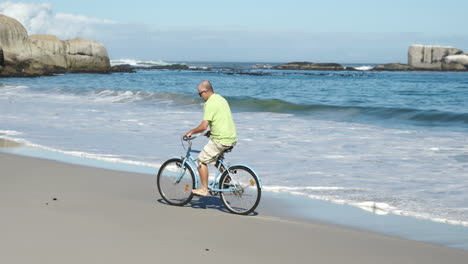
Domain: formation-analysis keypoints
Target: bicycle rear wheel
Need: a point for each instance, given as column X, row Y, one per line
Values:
column 241, row 190
column 175, row 183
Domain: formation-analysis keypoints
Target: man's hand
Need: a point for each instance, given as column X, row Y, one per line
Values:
column 200, row 128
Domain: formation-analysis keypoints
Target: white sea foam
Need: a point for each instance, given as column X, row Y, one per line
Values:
column 364, row 68
column 378, row 208
column 286, row 188
column 100, row 157
column 139, row 63
column 9, row 133
column 199, row 67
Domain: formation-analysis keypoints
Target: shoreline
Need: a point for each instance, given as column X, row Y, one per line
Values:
column 75, row 214
column 292, row 207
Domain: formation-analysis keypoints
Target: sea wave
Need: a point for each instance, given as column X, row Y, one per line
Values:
column 379, row 208
column 432, row 117
column 248, row 104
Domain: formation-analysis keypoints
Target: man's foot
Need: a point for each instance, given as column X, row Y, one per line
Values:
column 200, row 192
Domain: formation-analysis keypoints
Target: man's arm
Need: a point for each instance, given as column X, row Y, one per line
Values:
column 200, row 128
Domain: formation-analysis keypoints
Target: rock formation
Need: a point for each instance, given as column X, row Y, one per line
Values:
column 46, row 54
column 311, row 66
column 437, row 58
column 122, row 68
column 455, row 62
column 2, row 60
column 392, row 67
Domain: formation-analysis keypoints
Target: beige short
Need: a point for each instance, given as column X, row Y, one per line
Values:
column 211, row 151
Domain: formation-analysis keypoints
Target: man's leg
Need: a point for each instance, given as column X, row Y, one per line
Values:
column 203, row 172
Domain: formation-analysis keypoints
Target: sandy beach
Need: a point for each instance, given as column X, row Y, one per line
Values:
column 55, row 212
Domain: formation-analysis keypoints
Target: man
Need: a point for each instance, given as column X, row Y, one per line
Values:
column 217, row 115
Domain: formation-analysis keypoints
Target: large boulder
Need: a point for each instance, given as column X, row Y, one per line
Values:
column 425, row 57
column 75, row 55
column 86, row 55
column 49, row 50
column 460, row 62
column 37, row 55
column 14, row 39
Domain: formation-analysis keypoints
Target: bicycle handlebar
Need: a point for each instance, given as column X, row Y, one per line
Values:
column 192, row 137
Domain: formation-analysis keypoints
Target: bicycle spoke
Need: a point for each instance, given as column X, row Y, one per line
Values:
column 243, row 192
column 175, row 184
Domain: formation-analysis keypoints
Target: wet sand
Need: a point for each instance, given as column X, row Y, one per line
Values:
column 54, row 212
column 5, row 143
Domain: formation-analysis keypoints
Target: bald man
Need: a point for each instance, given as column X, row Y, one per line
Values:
column 217, row 115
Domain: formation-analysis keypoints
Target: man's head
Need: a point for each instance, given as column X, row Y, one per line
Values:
column 205, row 90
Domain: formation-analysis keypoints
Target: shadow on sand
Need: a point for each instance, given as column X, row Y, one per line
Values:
column 208, row 202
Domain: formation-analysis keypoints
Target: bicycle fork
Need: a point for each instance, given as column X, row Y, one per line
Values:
column 181, row 172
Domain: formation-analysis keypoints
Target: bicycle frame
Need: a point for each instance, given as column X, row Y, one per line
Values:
column 213, row 186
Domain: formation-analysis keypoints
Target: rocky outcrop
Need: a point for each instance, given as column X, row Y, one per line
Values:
column 49, row 50
column 86, row 55
column 311, row 66
column 392, row 67
column 455, row 62
column 176, row 66
column 122, row 68
column 2, row 59
column 46, row 54
column 425, row 57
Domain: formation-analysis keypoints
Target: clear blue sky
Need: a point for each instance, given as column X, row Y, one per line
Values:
column 294, row 15
column 326, row 31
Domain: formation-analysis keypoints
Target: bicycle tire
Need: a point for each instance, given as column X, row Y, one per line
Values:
column 246, row 192
column 173, row 193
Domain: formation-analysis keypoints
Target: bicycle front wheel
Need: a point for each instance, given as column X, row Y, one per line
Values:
column 175, row 182
column 240, row 190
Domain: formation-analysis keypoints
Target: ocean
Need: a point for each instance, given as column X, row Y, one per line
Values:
column 387, row 142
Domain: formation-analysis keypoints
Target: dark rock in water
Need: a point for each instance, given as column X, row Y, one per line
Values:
column 2, row 59
column 350, row 69
column 248, row 73
column 29, row 68
column 177, row 66
column 165, row 67
column 392, row 67
column 122, row 68
column 310, row 66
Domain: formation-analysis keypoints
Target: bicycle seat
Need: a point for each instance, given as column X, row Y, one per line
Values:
column 228, row 150
column 221, row 156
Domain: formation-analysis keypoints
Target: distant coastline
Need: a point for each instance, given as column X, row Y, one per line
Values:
column 22, row 55
column 420, row 58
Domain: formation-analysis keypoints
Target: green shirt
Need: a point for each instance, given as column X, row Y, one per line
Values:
column 217, row 112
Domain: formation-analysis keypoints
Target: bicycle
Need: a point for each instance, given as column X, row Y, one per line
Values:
column 238, row 185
